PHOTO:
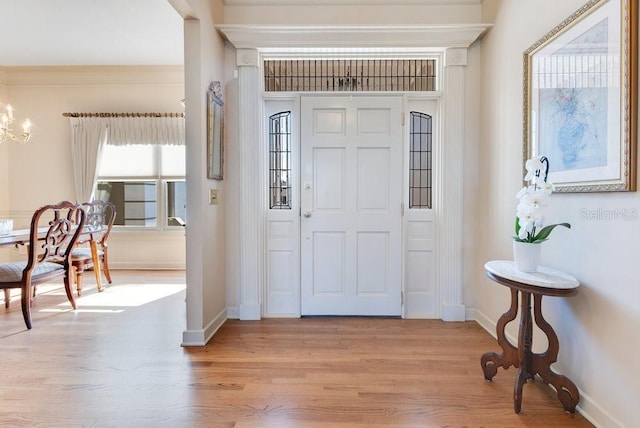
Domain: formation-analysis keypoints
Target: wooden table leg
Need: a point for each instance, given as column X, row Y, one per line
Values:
column 525, row 339
column 490, row 361
column 96, row 263
column 567, row 391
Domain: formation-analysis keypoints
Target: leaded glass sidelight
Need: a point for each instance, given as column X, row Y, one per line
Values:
column 280, row 161
column 420, row 160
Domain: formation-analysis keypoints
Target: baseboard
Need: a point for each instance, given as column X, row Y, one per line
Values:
column 587, row 407
column 201, row 337
column 145, row 266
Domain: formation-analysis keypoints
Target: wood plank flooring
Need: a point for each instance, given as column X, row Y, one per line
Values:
column 117, row 362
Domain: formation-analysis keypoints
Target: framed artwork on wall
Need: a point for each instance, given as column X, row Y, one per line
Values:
column 215, row 126
column 580, row 98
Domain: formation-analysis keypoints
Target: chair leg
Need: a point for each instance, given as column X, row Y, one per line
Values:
column 6, row 298
column 78, row 277
column 67, row 288
column 25, row 300
column 105, row 268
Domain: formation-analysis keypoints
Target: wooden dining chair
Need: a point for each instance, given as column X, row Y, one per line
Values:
column 54, row 231
column 100, row 218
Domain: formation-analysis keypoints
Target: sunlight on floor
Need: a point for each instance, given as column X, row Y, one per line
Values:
column 128, row 295
column 114, row 298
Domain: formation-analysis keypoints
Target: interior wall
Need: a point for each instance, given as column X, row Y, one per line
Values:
column 206, row 258
column 40, row 172
column 596, row 328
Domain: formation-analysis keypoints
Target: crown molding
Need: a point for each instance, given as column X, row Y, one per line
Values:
column 92, row 75
column 349, row 2
column 394, row 36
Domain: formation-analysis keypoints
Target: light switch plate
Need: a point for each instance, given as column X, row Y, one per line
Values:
column 213, row 197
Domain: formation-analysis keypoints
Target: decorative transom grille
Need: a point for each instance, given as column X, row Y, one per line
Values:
column 420, row 160
column 280, row 161
column 335, row 75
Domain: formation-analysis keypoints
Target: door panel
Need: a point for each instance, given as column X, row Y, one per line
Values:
column 351, row 176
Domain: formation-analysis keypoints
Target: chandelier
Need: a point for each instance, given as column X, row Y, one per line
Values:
column 6, row 119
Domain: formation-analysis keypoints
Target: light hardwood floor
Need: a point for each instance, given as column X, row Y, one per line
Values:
column 117, row 362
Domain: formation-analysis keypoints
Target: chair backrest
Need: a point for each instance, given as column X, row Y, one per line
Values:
column 100, row 216
column 54, row 230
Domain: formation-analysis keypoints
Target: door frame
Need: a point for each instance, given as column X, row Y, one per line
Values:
column 251, row 218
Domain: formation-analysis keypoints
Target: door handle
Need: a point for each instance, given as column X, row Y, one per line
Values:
column 307, row 214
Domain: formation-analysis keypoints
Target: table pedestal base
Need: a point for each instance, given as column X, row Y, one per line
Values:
column 528, row 363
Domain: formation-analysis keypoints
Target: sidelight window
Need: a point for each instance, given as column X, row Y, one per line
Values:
column 280, row 161
column 420, row 160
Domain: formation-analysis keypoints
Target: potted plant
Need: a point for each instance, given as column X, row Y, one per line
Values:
column 530, row 232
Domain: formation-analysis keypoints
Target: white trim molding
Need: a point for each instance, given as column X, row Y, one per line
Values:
column 416, row 36
column 201, row 337
column 251, row 208
column 450, row 197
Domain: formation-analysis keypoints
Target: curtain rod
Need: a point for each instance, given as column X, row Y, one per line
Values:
column 123, row 114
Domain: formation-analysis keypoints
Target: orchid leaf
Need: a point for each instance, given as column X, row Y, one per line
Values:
column 546, row 231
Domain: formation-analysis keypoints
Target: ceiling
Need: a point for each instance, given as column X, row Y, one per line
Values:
column 90, row 32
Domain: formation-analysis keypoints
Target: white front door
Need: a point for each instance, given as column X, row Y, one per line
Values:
column 351, row 195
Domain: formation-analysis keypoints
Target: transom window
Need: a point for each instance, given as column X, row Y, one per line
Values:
column 333, row 75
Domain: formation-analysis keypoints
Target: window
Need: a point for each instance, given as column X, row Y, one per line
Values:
column 280, row 161
column 420, row 160
column 335, row 75
column 145, row 183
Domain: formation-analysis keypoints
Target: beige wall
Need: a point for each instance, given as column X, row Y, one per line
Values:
column 40, row 171
column 206, row 258
column 332, row 14
column 597, row 328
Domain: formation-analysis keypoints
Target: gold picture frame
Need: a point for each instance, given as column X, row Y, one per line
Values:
column 215, row 134
column 580, row 98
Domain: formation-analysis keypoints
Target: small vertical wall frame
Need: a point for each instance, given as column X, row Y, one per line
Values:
column 215, row 126
column 580, row 98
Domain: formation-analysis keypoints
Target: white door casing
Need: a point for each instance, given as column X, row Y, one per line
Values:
column 351, row 196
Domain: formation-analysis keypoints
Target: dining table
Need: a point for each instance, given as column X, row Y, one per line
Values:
column 20, row 237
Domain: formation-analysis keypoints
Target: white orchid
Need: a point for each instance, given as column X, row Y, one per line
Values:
column 533, row 198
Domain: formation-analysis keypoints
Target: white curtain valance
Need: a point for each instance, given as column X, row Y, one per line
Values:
column 89, row 134
column 144, row 130
column 137, row 128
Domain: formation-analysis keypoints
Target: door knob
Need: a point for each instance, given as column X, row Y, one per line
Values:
column 307, row 214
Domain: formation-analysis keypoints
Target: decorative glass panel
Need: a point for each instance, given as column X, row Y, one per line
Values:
column 420, row 160
column 280, row 161
column 335, row 75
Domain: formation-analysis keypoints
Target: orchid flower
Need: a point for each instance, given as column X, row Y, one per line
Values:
column 533, row 198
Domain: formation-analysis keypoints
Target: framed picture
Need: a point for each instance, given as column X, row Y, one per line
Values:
column 215, row 126
column 580, row 98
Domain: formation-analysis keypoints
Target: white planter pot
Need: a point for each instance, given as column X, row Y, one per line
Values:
column 526, row 256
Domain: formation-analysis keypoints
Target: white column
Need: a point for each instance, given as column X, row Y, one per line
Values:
column 250, row 214
column 449, row 207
